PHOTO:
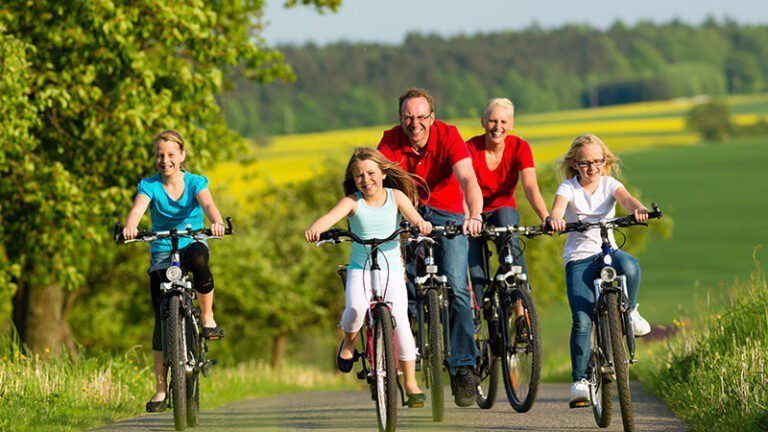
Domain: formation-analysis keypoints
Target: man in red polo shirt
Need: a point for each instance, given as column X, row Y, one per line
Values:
column 435, row 151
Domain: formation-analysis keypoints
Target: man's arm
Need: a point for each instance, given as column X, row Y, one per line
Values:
column 472, row 195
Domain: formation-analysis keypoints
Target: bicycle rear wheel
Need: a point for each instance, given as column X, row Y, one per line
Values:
column 488, row 361
column 434, row 339
column 600, row 388
column 384, row 369
column 176, row 360
column 620, row 362
column 521, row 356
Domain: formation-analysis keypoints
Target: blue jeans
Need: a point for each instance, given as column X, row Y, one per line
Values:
column 451, row 259
column 579, row 277
column 500, row 217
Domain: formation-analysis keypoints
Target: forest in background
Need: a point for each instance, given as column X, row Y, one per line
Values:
column 345, row 85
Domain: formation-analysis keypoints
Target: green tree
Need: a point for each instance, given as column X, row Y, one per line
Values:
column 712, row 120
column 743, row 73
column 95, row 81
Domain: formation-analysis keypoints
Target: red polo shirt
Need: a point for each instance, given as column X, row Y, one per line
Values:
column 433, row 163
column 499, row 185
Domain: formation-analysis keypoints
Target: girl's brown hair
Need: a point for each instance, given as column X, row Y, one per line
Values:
column 396, row 178
column 171, row 136
column 568, row 163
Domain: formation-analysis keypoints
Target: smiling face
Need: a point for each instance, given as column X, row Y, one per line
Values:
column 498, row 124
column 368, row 177
column 415, row 119
column 168, row 158
column 589, row 163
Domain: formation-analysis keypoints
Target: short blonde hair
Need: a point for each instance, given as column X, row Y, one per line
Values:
column 567, row 164
column 499, row 102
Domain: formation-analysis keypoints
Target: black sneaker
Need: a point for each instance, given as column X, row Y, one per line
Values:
column 463, row 386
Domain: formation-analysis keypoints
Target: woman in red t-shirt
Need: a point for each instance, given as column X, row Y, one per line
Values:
column 499, row 160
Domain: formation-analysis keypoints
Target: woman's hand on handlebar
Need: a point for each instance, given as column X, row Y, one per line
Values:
column 641, row 215
column 130, row 233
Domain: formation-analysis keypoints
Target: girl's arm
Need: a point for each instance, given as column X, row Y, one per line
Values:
column 531, row 188
column 406, row 208
column 140, row 205
column 344, row 208
column 631, row 204
column 205, row 200
column 558, row 210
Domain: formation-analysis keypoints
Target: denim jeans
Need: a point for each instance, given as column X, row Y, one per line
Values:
column 451, row 259
column 579, row 277
column 500, row 217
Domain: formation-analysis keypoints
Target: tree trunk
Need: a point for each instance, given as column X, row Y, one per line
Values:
column 278, row 350
column 37, row 315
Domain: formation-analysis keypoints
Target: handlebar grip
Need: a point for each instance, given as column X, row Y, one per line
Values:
column 656, row 213
column 328, row 235
column 117, row 234
column 228, row 230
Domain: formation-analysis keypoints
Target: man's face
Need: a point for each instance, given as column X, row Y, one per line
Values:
column 415, row 119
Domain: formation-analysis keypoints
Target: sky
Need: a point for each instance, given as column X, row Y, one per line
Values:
column 388, row 21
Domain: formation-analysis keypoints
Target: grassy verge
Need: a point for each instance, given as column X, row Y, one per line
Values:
column 713, row 373
column 68, row 394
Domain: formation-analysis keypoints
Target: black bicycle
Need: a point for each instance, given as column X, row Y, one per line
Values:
column 613, row 340
column 432, row 323
column 184, row 349
column 509, row 329
column 379, row 365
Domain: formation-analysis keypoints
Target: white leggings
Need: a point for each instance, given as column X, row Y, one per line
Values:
column 359, row 301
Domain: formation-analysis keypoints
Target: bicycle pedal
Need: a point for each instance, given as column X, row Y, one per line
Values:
column 579, row 404
column 205, row 369
column 633, row 361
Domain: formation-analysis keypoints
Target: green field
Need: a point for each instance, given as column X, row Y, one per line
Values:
column 718, row 196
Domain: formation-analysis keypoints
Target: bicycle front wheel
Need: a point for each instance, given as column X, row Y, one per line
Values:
column 521, row 357
column 600, row 387
column 176, row 360
column 488, row 361
column 385, row 371
column 620, row 362
column 435, row 356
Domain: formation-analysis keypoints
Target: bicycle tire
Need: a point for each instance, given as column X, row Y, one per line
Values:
column 176, row 362
column 602, row 395
column 488, row 363
column 385, row 369
column 435, row 357
column 620, row 363
column 522, row 369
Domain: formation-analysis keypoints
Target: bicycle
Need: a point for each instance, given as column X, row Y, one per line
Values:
column 432, row 291
column 613, row 341
column 510, row 327
column 184, row 350
column 379, row 366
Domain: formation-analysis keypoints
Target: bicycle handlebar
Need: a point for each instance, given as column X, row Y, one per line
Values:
column 150, row 236
column 621, row 221
column 491, row 231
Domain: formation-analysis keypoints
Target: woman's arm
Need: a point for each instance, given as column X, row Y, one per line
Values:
column 631, row 204
column 140, row 205
column 531, row 189
column 409, row 212
column 343, row 208
column 205, row 200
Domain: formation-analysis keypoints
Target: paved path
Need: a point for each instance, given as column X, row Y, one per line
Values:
column 353, row 411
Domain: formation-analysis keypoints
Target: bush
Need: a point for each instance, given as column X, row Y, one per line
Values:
column 712, row 120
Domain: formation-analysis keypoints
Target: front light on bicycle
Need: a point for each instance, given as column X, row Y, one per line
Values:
column 173, row 273
column 608, row 274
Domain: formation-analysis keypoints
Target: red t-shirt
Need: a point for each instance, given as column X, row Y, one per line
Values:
column 433, row 163
column 499, row 185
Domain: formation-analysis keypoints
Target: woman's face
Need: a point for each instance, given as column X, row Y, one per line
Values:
column 168, row 158
column 589, row 162
column 498, row 124
column 368, row 177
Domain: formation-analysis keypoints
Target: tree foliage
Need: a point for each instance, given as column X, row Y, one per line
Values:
column 711, row 119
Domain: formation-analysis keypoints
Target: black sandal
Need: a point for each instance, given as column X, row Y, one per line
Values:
column 415, row 400
column 344, row 365
column 159, row 406
column 213, row 333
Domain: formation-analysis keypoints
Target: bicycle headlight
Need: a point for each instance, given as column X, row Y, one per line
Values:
column 608, row 274
column 173, row 273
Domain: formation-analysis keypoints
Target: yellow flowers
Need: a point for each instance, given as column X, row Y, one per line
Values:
column 680, row 324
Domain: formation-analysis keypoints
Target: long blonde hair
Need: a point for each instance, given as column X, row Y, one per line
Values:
column 396, row 177
column 567, row 164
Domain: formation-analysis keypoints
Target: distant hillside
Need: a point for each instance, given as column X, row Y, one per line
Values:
column 347, row 85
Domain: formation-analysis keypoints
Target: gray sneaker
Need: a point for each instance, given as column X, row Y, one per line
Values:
column 463, row 386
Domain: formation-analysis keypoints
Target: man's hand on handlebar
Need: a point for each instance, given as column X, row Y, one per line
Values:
column 472, row 226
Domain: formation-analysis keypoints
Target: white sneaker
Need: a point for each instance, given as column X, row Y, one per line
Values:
column 579, row 393
column 639, row 324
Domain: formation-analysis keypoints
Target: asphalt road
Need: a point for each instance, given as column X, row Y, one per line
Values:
column 354, row 411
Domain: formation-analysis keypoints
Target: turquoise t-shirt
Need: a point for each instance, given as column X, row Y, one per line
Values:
column 167, row 213
column 376, row 222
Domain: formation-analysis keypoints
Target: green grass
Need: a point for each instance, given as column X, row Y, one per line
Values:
column 716, row 193
column 67, row 394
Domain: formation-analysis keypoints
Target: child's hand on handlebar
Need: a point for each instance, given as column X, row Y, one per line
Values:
column 312, row 235
column 555, row 224
column 641, row 214
column 424, row 227
column 130, row 233
column 218, row 229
